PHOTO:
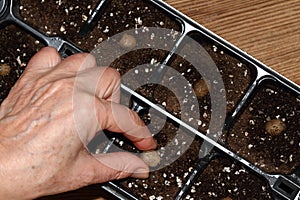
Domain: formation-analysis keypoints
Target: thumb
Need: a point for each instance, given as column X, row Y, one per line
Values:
column 47, row 57
column 111, row 166
column 123, row 164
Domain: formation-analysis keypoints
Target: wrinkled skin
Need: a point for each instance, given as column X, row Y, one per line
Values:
column 45, row 122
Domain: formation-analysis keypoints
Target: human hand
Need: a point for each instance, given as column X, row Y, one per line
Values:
column 55, row 108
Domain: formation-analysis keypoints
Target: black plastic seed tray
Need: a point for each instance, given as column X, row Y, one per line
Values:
column 225, row 123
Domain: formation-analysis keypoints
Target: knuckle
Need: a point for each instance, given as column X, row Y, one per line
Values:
column 113, row 73
column 120, row 175
column 81, row 61
column 50, row 50
column 79, row 56
column 62, row 86
column 75, row 60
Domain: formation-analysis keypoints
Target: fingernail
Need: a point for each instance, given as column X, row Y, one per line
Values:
column 154, row 145
column 141, row 173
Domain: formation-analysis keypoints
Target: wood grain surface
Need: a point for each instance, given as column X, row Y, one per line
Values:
column 268, row 30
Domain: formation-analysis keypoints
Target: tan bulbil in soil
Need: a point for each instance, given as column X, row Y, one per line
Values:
column 4, row 69
column 200, row 88
column 127, row 41
column 151, row 158
column 275, row 127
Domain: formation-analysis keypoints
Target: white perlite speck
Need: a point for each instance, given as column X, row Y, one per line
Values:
column 84, row 17
column 152, row 197
column 179, row 181
column 138, row 21
column 106, row 29
column 167, row 183
column 226, row 169
column 62, row 28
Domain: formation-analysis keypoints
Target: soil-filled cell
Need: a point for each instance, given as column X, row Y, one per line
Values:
column 226, row 180
column 267, row 133
column 65, row 18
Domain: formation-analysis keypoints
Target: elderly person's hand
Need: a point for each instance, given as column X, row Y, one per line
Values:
column 54, row 109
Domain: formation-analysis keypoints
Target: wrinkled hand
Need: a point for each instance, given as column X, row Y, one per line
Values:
column 55, row 108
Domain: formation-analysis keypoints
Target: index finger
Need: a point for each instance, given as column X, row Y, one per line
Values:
column 118, row 118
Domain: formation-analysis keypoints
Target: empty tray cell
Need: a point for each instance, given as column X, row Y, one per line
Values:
column 17, row 47
column 65, row 18
column 267, row 133
column 224, row 179
column 62, row 18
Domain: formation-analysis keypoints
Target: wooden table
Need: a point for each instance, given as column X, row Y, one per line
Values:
column 269, row 30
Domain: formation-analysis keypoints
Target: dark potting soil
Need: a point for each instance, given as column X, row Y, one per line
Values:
column 275, row 152
column 64, row 18
column 216, row 184
column 17, row 47
column 226, row 180
column 235, row 74
column 166, row 182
